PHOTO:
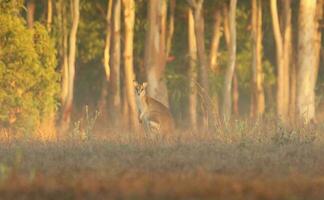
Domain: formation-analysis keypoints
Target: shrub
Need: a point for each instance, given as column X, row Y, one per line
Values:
column 28, row 80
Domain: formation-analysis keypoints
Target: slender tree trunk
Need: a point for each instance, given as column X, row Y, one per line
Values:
column 226, row 25
column 213, row 55
column 289, row 63
column 227, row 107
column 67, row 107
column 236, row 95
column 293, row 87
column 102, row 106
column 192, row 70
column 319, row 18
column 65, row 67
column 279, row 50
column 154, row 60
column 170, row 28
column 129, row 17
column 306, row 60
column 217, row 33
column 257, row 88
column 49, row 15
column 287, row 50
column 197, row 7
column 61, row 15
column 108, row 39
column 126, row 124
column 283, row 47
column 30, row 13
column 115, row 88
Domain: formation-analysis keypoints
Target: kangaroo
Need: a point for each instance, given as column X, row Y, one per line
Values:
column 155, row 117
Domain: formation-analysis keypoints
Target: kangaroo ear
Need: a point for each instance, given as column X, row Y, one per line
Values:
column 145, row 84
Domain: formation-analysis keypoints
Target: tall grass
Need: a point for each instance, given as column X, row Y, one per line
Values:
column 245, row 159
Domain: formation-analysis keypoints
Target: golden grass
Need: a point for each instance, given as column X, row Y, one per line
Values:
column 244, row 160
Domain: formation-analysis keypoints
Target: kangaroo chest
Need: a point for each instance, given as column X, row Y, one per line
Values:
column 141, row 104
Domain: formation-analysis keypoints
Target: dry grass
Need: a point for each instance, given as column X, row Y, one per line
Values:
column 245, row 160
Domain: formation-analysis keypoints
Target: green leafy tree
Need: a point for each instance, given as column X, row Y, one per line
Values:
column 28, row 81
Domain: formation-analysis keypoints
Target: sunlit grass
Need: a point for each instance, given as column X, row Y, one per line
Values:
column 243, row 160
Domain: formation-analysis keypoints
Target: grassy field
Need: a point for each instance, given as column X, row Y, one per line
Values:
column 242, row 161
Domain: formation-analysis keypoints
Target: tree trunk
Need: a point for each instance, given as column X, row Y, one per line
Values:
column 236, row 95
column 170, row 29
column 293, row 87
column 192, row 70
column 107, row 40
column 289, row 63
column 49, row 15
column 257, row 86
column 227, row 103
column 126, row 124
column 318, row 40
column 226, row 25
column 306, row 60
column 129, row 17
column 217, row 33
column 30, row 13
column 287, row 53
column 63, row 45
column 102, row 106
column 67, row 107
column 283, row 47
column 279, row 50
column 65, row 66
column 154, row 60
column 115, row 103
column 197, row 7
column 213, row 55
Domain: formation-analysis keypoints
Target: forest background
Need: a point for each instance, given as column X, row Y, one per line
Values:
column 209, row 61
column 243, row 80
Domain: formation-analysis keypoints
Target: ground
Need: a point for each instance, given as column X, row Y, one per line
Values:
column 243, row 161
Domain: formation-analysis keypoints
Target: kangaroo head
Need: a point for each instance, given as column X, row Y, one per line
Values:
column 140, row 89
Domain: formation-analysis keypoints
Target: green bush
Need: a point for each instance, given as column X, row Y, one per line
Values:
column 28, row 80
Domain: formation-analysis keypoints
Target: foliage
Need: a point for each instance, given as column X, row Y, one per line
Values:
column 28, row 81
column 11, row 6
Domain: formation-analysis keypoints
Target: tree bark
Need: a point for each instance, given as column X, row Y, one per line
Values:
column 289, row 63
column 227, row 102
column 213, row 55
column 293, row 87
column 306, row 60
column 154, row 58
column 170, row 29
column 279, row 50
column 192, row 70
column 107, row 40
column 129, row 17
column 283, row 47
column 197, row 7
column 63, row 48
column 236, row 95
column 318, row 34
column 67, row 107
column 287, row 53
column 115, row 88
column 217, row 33
column 49, row 15
column 257, row 86
column 30, row 13
column 226, row 25
column 65, row 67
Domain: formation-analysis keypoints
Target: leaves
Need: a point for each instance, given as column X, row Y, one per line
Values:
column 29, row 83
